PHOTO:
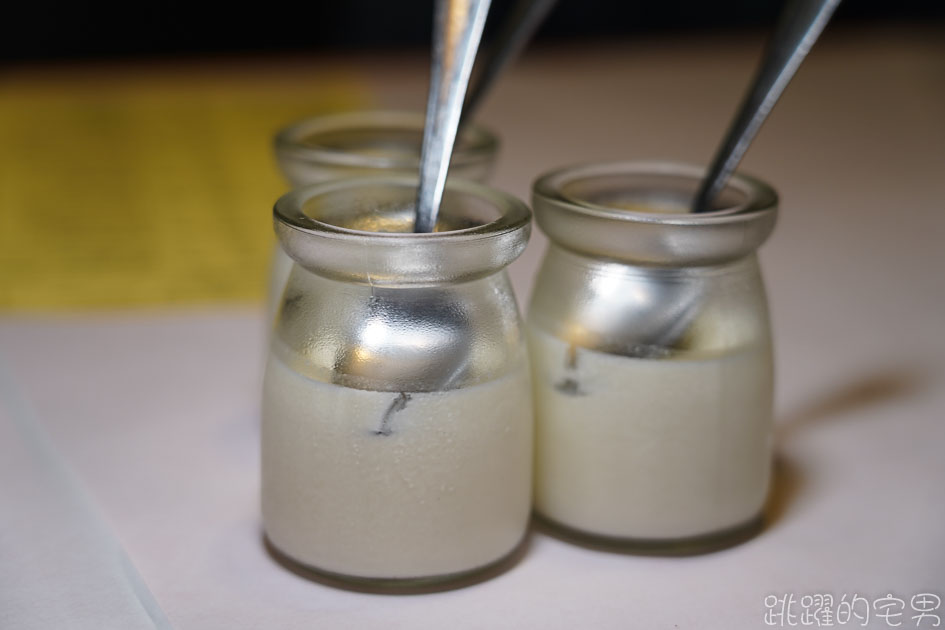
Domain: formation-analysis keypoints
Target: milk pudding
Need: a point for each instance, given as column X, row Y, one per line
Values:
column 395, row 485
column 650, row 448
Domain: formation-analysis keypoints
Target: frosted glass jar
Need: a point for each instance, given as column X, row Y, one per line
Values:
column 397, row 419
column 365, row 144
column 651, row 357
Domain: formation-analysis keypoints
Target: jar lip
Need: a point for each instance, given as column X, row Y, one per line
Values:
column 290, row 211
column 491, row 230
column 673, row 238
column 759, row 196
column 478, row 143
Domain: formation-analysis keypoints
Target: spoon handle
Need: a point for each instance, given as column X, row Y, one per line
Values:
column 516, row 31
column 800, row 24
column 457, row 31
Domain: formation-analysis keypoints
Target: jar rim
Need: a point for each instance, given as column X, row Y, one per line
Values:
column 290, row 210
column 474, row 144
column 661, row 238
column 381, row 256
column 758, row 195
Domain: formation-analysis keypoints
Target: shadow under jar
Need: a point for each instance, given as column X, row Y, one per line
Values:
column 651, row 357
column 365, row 144
column 397, row 418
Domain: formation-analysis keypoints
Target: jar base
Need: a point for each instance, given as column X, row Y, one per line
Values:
column 395, row 586
column 688, row 546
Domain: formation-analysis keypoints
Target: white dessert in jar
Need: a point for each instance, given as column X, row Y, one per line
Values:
column 395, row 485
column 651, row 357
column 397, row 426
column 650, row 448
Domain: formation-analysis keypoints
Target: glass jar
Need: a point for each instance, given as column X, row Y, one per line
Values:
column 651, row 357
column 397, row 417
column 364, row 144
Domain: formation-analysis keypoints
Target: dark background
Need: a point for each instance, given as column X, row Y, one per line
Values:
column 39, row 31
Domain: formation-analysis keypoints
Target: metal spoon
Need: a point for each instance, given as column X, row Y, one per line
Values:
column 800, row 24
column 457, row 31
column 516, row 31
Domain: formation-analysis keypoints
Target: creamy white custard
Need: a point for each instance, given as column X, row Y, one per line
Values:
column 389, row 485
column 650, row 448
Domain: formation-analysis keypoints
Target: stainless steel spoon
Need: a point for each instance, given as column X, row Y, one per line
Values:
column 516, row 31
column 800, row 24
column 457, row 31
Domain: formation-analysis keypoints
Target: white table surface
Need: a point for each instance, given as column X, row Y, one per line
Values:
column 156, row 412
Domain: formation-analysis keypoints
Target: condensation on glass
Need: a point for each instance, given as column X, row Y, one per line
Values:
column 365, row 144
column 651, row 357
column 397, row 417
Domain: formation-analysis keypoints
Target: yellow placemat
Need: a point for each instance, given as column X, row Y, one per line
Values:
column 131, row 186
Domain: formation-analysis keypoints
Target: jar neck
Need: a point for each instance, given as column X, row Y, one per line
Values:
column 650, row 311
column 398, row 339
column 603, row 264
